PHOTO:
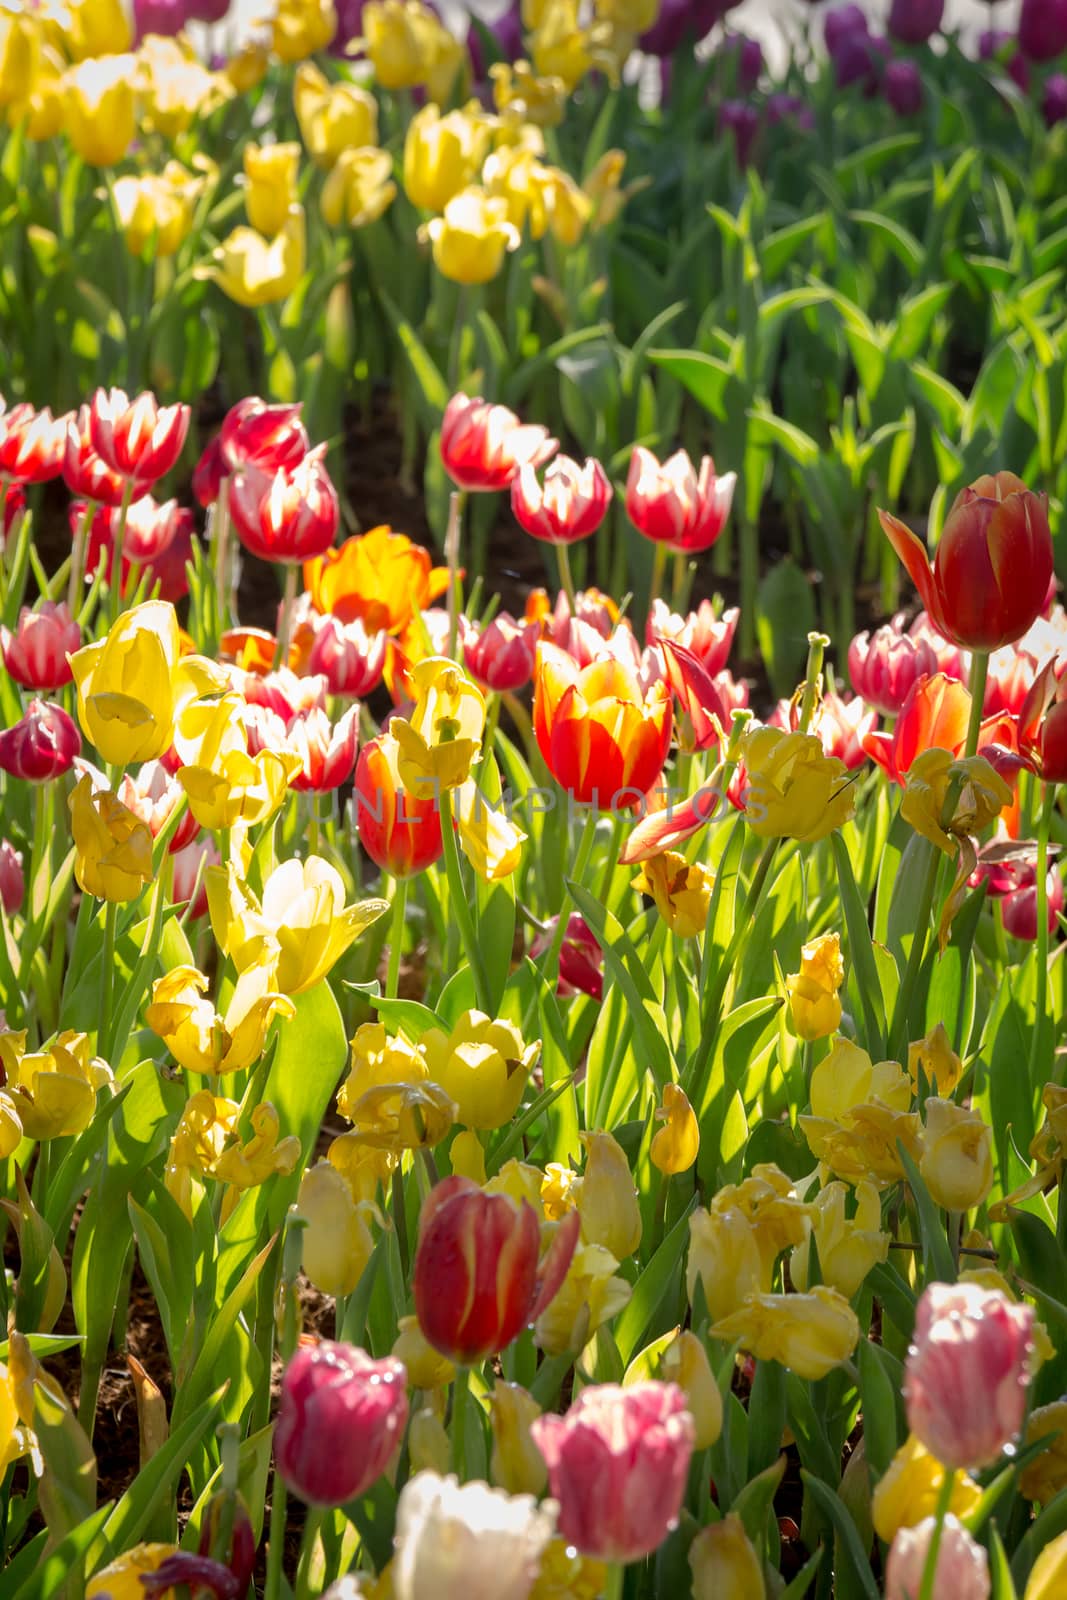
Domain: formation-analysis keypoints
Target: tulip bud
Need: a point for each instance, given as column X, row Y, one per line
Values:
column 502, row 655
column 42, row 745
column 341, row 1420
column 685, row 1362
column 336, row 1242
column 814, row 1005
column 674, row 1148
column 570, row 503
column 724, row 1563
column 426, row 1367
column 962, row 1568
column 466, row 1541
column 483, row 1065
column 138, row 439
column 957, row 1158
column 903, row 88
column 289, row 516
column 348, row 657
column 724, row 1256
column 940, row 1065
column 607, row 1203
column 429, row 1447
column 885, row 665
column 516, row 1464
column 12, row 880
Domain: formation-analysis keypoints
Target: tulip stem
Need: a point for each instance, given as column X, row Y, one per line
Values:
column 458, row 908
column 281, row 652
column 308, row 1541
column 1048, row 800
column 453, row 537
column 711, row 1001
column 396, row 937
column 976, row 684
column 77, row 557
column 221, row 516
column 276, row 1539
column 107, row 977
column 614, row 1581
column 566, row 577
column 400, row 1221
column 898, row 1031
column 460, row 1385
column 944, row 1500
column 118, row 540
column 659, row 567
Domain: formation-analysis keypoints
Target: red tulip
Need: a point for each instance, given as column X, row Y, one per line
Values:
column 618, row 1464
column 675, row 506
column 483, row 446
column 32, row 444
column 272, row 436
column 993, row 564
column 603, row 740
column 138, row 439
column 157, row 540
column 703, row 716
column 348, row 657
column 934, row 715
column 42, row 745
column 84, row 472
column 885, row 665
column 1011, row 879
column 1043, row 721
column 569, row 504
column 36, row 653
column 290, row 516
column 581, row 960
column 708, row 636
column 400, row 832
column 327, row 750
column 12, row 881
column 152, row 795
column 189, row 873
column 209, row 474
column 501, row 656
column 967, row 1373
column 341, row 1421
column 478, row 1281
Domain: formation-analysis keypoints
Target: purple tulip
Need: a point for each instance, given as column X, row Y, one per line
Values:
column 679, row 19
column 841, row 23
column 903, row 88
column 209, row 11
column 1043, row 29
column 742, row 120
column 1054, row 104
column 748, row 55
column 507, row 34
column 164, row 17
column 994, row 45
column 349, row 24
column 913, row 21
column 859, row 59
column 789, row 107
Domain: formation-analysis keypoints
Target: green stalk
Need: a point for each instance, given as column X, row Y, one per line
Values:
column 460, row 1385
column 281, row 650
column 976, row 684
column 615, row 1582
column 918, row 946
column 308, row 1541
column 77, row 557
column 659, row 567
column 460, row 909
column 453, row 537
column 944, row 1500
column 1048, row 801
column 566, row 577
column 396, row 937
column 107, row 981
column 114, row 598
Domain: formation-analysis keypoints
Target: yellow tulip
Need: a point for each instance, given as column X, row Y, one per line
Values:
column 429, row 1446
column 302, row 27
column 908, row 1491
column 254, row 271
column 364, row 1168
column 12, row 1439
column 378, row 1058
column 11, row 1133
column 957, row 1155
column 603, row 186
column 674, row 1148
column 359, row 189
column 443, row 736
column 224, row 785
column 794, row 791
column 40, row 107
column 20, row 56
column 559, row 48
column 848, row 1246
column 112, row 848
column 1043, row 1478
column 520, row 1181
column 121, row 1578
column 810, row 1334
column 516, row 1463
column 628, row 16
column 333, row 117
column 134, row 683
column 725, row 1258
column 394, row 38
column 98, row 105
column 53, row 1089
column 443, row 154
column 1048, row 1575
column 487, row 836
column 568, row 207
column 724, row 1563
column 336, row 1243
column 98, row 28
column 483, row 1065
column 814, row 1004
column 607, row 1200
column 564, row 1574
column 270, row 188
column 247, row 67
column 519, row 90
column 768, row 1200
column 471, row 239
column 426, row 1367
column 158, row 208
column 591, row 1294
column 176, row 89
column 467, row 1156
column 681, row 890
column 941, row 1066
column 202, row 1041
column 863, row 1142
column 303, row 923
column 981, row 795
column 685, row 1362
column 559, row 1191
column 847, row 1077
column 513, row 173
column 207, row 1144
column 404, row 1116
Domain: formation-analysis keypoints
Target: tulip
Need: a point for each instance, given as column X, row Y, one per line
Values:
column 709, row 637
column 1015, row 885
column 359, row 189
column 607, row 1200
column 962, row 1568
column 483, row 446
column 394, row 41
column 809, row 1334
column 292, row 516
column 570, row 504
column 993, row 563
column 271, row 436
column 848, row 1247
column 742, row 121
column 520, row 92
column 333, row 117
column 913, row 21
column 681, row 890
column 1043, row 29
column 909, row 1489
column 617, row 1464
column 792, row 789
column 939, row 1063
column 341, row 1420
column 302, row 921
column 1001, row 46
column 483, row 1065
column 336, row 1242
column 672, row 505
column 967, row 1373
column 138, row 439
column 466, row 1541
column 769, row 1202
column 840, row 22
column 935, row 714
column 685, row 1363
column 478, row 1281
column 957, row 1158
column 12, row 881
column 488, row 838
column 325, row 752
column 254, row 271
column 1054, row 99
column 35, row 655
column 198, row 1039
column 814, row 1004
column 379, row 577
column 724, row 1563
column 32, row 445
column 725, row 1259
column 442, row 155
column 1043, row 1478
column 402, row 1116
column 885, row 666
column 400, row 832
column 157, row 209
column 121, row 1578
column 270, row 185
column 190, row 864
column 378, row 1059
column 581, row 960
column 858, row 59
column 42, row 745
column 225, row 786
column 98, row 104
column 1049, row 1571
column 981, row 794
column 1043, row 721
column 902, row 86
column 675, row 1146
column 603, row 740
column 426, row 1367
column 301, row 28
column 113, row 850
column 350, row 659
column 439, row 742
column 157, row 540
column 84, row 472
column 590, row 1296
column 472, row 237
column 54, row 1089
column 502, row 655
column 516, row 1463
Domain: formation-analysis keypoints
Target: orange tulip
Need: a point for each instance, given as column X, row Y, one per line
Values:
column 381, row 577
column 603, row 739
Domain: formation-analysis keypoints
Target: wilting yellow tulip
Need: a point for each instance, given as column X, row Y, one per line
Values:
column 302, row 27
column 254, row 271
column 724, row 1563
column 957, row 1155
column 847, row 1077
column 198, row 1038
column 443, row 736
column 518, row 90
column 685, row 1362
column 53, row 1089
column 247, row 67
column 207, row 1144
column 364, row 1168
column 443, row 154
column 681, row 890
column 404, row 1116
column 941, row 1066
column 359, row 189
column 724, row 1257
column 981, row 795
column 607, row 1200
column 426, row 1367
column 810, row 1334
column 378, row 1058
column 863, row 1142
column 133, row 684
column 336, row 1243
column 158, row 208
column 303, row 924
column 591, row 1295
column 908, row 1491
column 603, row 186
column 112, row 847
column 333, row 117
column 1043, row 1478
column 483, row 1065
column 814, row 1003
column 270, row 185
column 11, row 1134
column 98, row 28
column 848, row 1246
column 516, row 1463
column 98, row 105
column 488, row 838
column 471, row 239
column 768, row 1199
column 794, row 790
column 20, row 56
column 560, row 1188
column 674, row 1148
column 121, row 1578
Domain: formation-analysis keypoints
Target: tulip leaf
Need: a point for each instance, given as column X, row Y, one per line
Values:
column 195, row 1385
column 785, row 615
column 904, row 245
column 798, row 1588
column 628, row 971
column 707, row 379
column 849, row 1540
column 766, row 1424
column 432, row 388
column 938, row 1265
column 861, row 950
column 1003, row 1585
column 652, row 1288
column 1050, row 1523
column 41, row 1572
column 879, row 1408
column 68, row 1485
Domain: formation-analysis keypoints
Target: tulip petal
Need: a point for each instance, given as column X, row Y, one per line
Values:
column 912, row 552
column 555, row 1263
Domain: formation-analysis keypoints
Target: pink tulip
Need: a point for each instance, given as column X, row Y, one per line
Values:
column 152, row 794
column 967, row 1373
column 885, row 665
column 708, row 636
column 137, row 439
column 42, row 745
column 12, row 880
column 962, row 1569
column 32, row 444
column 581, row 960
column 673, row 505
column 348, row 657
column 327, row 750
column 341, row 1421
column 483, row 446
column 570, row 503
column 291, row 514
column 36, row 653
column 617, row 1464
column 501, row 656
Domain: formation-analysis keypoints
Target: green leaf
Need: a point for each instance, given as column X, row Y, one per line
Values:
column 785, row 615
column 195, row 1385
column 432, row 388
column 628, row 971
column 653, row 1285
column 1000, row 1568
column 845, row 1528
column 860, row 949
column 706, row 377
column 879, row 1408
column 938, row 1265
column 40, row 1572
column 904, row 245
column 766, row 1423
